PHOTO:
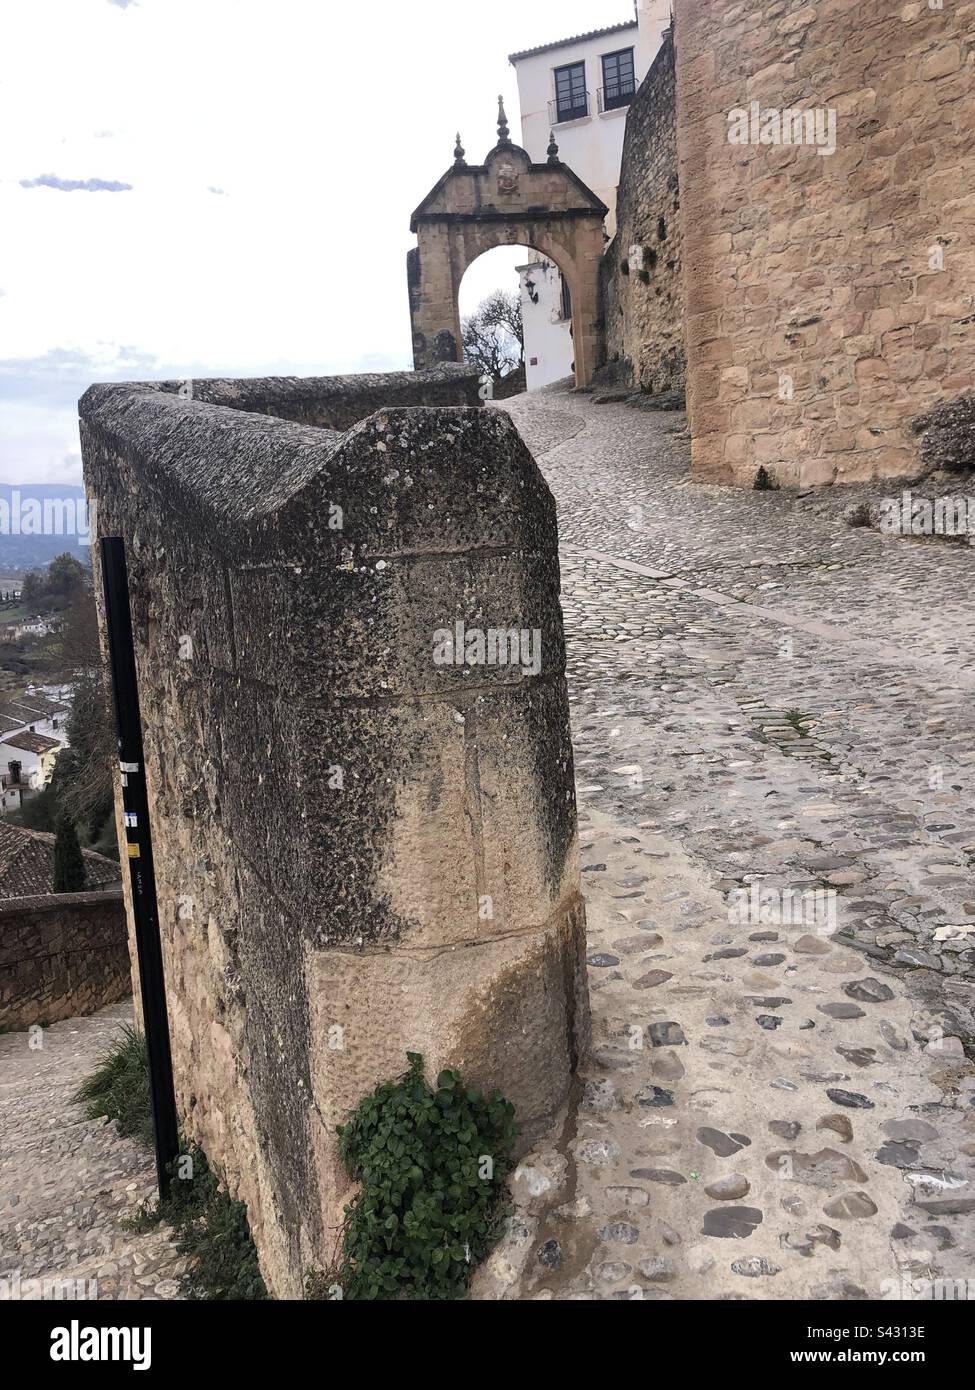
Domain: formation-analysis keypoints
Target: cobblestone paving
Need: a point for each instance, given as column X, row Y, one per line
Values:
column 763, row 698
column 66, row 1183
column 779, row 1103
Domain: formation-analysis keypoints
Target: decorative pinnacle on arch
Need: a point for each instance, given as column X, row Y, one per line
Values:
column 459, row 151
column 504, row 136
column 553, row 149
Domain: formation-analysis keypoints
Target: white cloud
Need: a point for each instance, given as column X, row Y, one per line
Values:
column 76, row 185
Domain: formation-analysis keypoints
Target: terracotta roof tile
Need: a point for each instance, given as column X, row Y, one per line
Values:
column 27, row 864
column 31, row 743
column 25, row 709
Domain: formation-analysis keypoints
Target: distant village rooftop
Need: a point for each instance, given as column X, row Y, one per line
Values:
column 24, row 709
column 31, row 743
column 27, row 864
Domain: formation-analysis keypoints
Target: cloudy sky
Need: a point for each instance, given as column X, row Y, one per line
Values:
column 211, row 187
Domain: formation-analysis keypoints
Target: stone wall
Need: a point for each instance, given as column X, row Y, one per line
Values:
column 334, row 402
column 61, row 954
column 359, row 852
column 829, row 296
column 640, row 276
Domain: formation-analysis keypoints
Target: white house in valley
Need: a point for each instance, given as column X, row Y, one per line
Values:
column 26, row 764
column 33, row 730
column 578, row 90
column 33, row 714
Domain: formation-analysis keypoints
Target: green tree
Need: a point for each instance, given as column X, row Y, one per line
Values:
column 66, row 575
column 69, row 864
column 32, row 587
column 37, row 813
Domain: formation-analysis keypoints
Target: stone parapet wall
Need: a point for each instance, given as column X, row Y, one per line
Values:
column 335, row 402
column 829, row 296
column 641, row 298
column 61, row 954
column 359, row 851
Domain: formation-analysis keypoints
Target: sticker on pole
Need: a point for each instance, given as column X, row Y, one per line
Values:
column 135, row 852
column 128, row 767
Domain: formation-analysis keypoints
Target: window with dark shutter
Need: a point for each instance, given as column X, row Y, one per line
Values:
column 619, row 79
column 571, row 98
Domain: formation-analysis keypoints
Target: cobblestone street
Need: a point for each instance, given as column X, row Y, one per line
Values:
column 761, row 695
column 773, row 1108
column 67, row 1183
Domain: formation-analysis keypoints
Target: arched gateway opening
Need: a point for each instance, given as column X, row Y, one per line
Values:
column 506, row 201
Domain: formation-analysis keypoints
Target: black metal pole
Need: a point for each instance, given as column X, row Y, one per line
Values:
column 135, row 800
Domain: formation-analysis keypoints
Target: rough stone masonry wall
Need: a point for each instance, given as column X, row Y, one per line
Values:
column 358, row 852
column 641, row 300
column 823, row 269
column 61, row 954
column 333, row 402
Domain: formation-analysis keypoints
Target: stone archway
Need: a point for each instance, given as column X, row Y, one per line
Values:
column 506, row 201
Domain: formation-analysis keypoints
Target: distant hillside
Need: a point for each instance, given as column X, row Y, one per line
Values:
column 23, row 552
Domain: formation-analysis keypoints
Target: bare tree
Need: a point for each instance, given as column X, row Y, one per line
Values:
column 493, row 336
column 502, row 312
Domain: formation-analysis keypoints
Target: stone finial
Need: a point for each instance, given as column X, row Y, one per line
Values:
column 553, row 149
column 459, row 151
column 504, row 135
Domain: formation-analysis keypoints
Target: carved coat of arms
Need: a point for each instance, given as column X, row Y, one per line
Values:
column 507, row 179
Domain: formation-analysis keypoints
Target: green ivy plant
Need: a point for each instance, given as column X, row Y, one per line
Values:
column 432, row 1166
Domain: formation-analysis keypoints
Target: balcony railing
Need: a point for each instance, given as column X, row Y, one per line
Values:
column 612, row 98
column 25, row 782
column 561, row 111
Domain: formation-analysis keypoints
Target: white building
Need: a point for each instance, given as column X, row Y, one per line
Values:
column 40, row 625
column 34, row 714
column 15, row 789
column 545, row 300
column 26, row 764
column 579, row 90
